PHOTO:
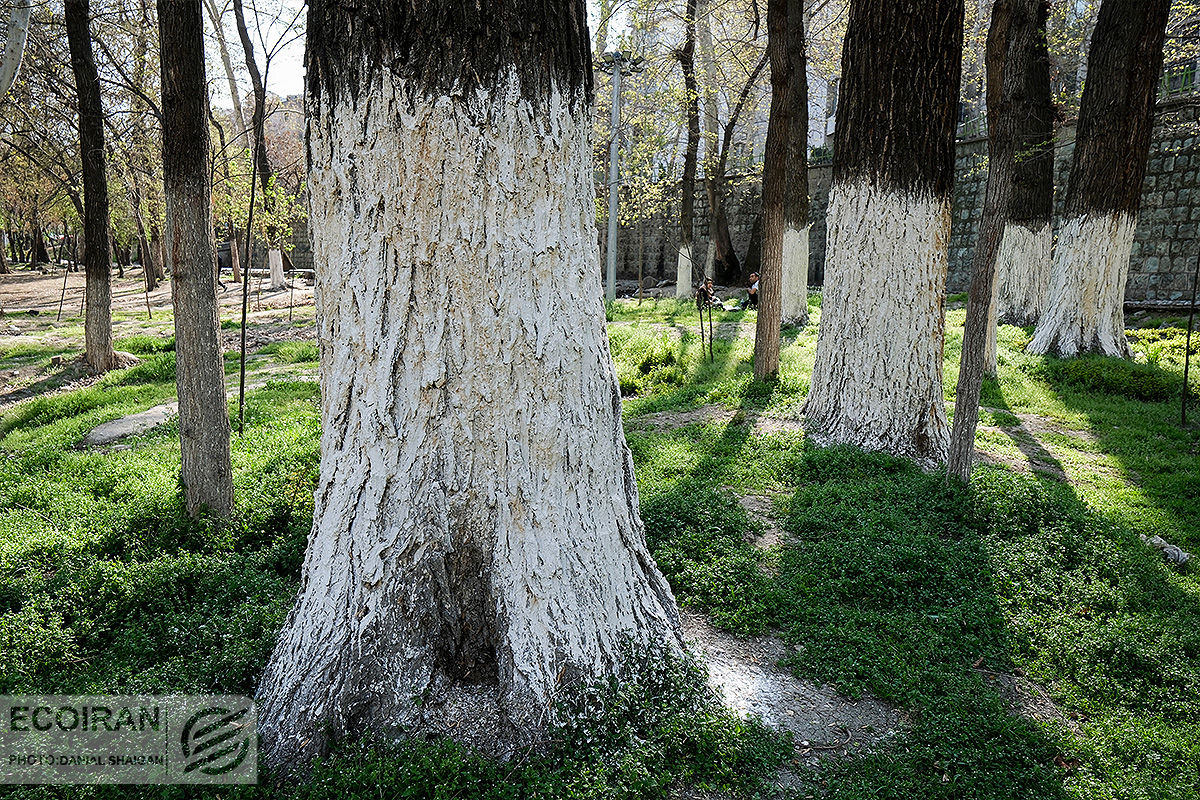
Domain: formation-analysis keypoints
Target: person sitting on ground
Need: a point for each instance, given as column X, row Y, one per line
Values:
column 752, row 298
column 706, row 295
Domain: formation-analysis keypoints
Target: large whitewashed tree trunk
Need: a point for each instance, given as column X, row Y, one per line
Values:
column 476, row 543
column 1085, row 309
column 877, row 380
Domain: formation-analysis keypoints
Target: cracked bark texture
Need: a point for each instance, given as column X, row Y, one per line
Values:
column 1085, row 308
column 877, row 379
column 476, row 543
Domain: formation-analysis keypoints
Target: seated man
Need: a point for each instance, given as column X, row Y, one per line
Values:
column 752, row 297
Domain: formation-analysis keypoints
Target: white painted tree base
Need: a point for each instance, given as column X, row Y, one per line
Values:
column 1085, row 312
column 683, row 272
column 1023, row 265
column 476, row 542
column 275, row 260
column 794, row 292
column 877, row 381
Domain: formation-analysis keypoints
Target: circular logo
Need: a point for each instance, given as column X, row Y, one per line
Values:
column 215, row 740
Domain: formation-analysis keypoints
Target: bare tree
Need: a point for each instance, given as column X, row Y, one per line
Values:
column 205, row 470
column 687, row 206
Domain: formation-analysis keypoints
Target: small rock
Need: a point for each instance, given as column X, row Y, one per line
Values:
column 57, row 361
column 1172, row 554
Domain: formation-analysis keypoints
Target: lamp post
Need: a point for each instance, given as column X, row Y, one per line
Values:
column 616, row 63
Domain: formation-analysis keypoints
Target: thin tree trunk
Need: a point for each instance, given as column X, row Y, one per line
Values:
column 877, row 380
column 476, row 544
column 239, row 118
column 789, row 98
column 204, row 431
column 685, row 264
column 1011, row 44
column 1085, row 311
column 98, row 323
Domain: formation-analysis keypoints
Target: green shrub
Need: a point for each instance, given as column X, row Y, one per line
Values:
column 145, row 345
column 1111, row 376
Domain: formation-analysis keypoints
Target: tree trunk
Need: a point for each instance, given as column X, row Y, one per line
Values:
column 1011, row 44
column 204, row 431
column 685, row 265
column 157, row 255
column 877, row 380
column 785, row 184
column 718, row 229
column 1085, row 309
column 1023, row 263
column 275, row 261
column 476, row 543
column 4, row 268
column 39, row 253
column 14, row 49
column 235, row 256
column 98, row 322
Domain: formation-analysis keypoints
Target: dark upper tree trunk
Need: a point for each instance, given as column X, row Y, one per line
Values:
column 1085, row 309
column 785, row 171
column 1011, row 44
column 257, row 120
column 897, row 111
column 203, row 414
column 1031, row 202
column 877, row 377
column 687, row 206
column 1116, row 116
column 98, row 322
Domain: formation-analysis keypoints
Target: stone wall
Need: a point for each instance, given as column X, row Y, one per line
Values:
column 1164, row 251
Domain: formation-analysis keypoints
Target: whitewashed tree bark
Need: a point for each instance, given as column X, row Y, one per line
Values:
column 795, row 276
column 1086, row 304
column 14, row 47
column 476, row 543
column 683, row 271
column 1084, row 312
column 1023, row 273
column 877, row 377
column 877, row 381
column 275, row 262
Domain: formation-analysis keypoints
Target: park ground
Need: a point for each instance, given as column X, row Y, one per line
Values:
column 1012, row 638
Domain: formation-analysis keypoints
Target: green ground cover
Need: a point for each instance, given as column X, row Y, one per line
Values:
column 887, row 580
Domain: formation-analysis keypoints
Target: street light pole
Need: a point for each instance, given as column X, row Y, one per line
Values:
column 616, row 63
